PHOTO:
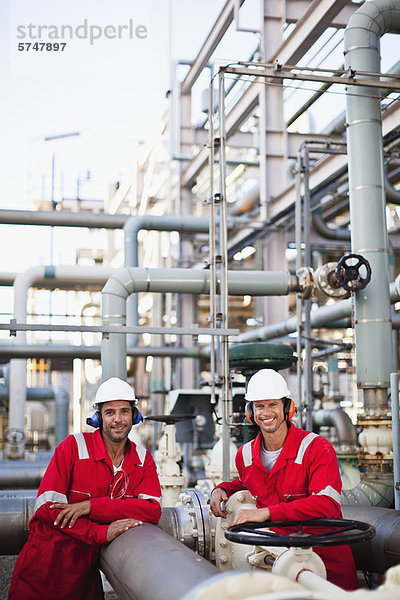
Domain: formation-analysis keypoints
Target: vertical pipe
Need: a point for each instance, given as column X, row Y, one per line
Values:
column 213, row 285
column 367, row 197
column 225, row 392
column 307, row 301
column 299, row 302
column 394, row 388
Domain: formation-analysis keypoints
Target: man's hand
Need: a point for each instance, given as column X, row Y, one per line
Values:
column 245, row 515
column 117, row 527
column 71, row 512
column 218, row 495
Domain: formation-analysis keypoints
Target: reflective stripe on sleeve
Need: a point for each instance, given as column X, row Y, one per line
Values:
column 141, row 451
column 305, row 442
column 81, row 443
column 247, row 456
column 49, row 496
column 331, row 492
column 146, row 497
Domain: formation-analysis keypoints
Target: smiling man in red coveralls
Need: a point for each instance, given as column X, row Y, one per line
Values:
column 97, row 486
column 292, row 473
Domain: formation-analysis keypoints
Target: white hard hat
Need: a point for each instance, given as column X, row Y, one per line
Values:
column 266, row 384
column 114, row 389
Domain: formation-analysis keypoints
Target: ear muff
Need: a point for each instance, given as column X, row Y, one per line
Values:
column 289, row 409
column 249, row 412
column 136, row 415
column 96, row 420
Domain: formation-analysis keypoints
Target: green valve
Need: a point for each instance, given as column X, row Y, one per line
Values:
column 250, row 357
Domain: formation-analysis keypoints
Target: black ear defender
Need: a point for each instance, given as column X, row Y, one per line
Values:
column 96, row 419
column 289, row 409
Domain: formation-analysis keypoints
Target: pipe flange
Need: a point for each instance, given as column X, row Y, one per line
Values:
column 306, row 284
column 327, row 282
column 195, row 504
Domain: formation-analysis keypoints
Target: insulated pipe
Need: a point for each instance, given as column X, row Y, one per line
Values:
column 22, row 283
column 383, row 551
column 340, row 420
column 374, row 489
column 319, row 318
column 367, row 196
column 189, row 281
column 127, row 563
column 61, row 404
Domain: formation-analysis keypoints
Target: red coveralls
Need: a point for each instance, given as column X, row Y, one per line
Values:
column 303, row 484
column 62, row 564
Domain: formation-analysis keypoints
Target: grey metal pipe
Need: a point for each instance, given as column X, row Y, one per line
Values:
column 328, row 232
column 180, row 223
column 319, row 318
column 63, row 218
column 61, row 403
column 15, row 513
column 128, row 565
column 22, row 283
column 22, row 474
column 190, row 281
column 367, row 197
column 65, row 350
column 383, row 551
column 394, row 388
column 340, row 420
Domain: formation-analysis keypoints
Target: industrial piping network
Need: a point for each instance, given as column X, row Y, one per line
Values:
column 371, row 309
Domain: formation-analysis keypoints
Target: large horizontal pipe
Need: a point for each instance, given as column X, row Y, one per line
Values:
column 383, row 551
column 22, row 473
column 63, row 218
column 129, row 560
column 14, row 522
column 69, row 351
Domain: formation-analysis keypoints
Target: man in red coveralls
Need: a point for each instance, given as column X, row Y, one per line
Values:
column 292, row 473
column 96, row 486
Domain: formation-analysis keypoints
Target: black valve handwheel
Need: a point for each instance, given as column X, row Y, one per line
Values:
column 342, row 531
column 348, row 272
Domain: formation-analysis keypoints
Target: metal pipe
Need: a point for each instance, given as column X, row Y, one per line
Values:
column 22, row 473
column 394, row 388
column 61, row 403
column 367, row 198
column 383, row 551
column 22, row 283
column 340, row 420
column 374, row 489
column 319, row 318
column 190, row 281
column 126, row 563
column 223, row 297
column 308, row 377
column 14, row 522
column 212, row 245
column 64, row 350
column 328, row 232
column 180, row 223
column 60, row 218
column 299, row 301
